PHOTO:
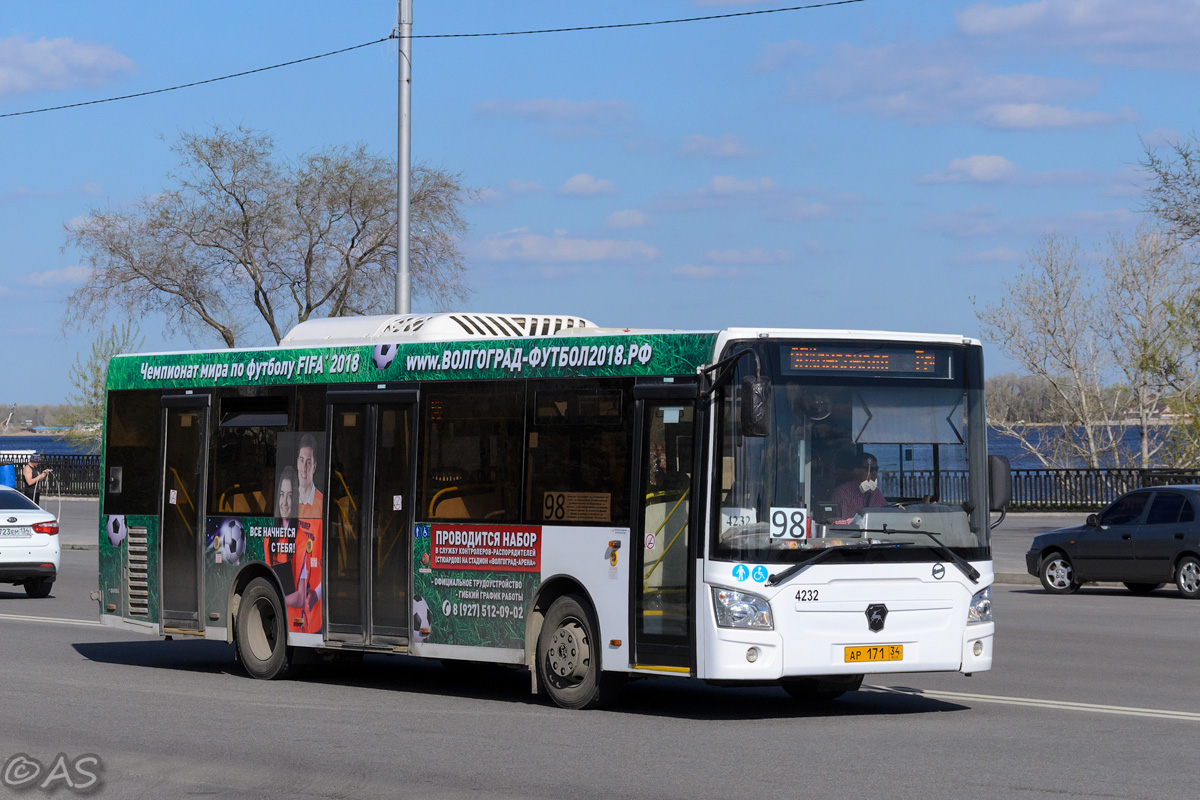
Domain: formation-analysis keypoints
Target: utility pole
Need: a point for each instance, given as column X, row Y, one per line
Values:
column 404, row 162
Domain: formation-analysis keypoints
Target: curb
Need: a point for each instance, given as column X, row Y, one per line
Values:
column 1016, row 579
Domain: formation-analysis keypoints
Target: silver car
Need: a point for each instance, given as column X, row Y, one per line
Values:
column 29, row 549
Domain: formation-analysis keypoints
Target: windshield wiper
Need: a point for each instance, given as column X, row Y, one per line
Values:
column 963, row 565
column 796, row 569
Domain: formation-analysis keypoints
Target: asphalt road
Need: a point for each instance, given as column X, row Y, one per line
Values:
column 1092, row 695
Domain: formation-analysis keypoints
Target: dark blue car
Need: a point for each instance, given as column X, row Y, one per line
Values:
column 1143, row 539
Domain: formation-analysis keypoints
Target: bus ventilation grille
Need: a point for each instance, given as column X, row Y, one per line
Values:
column 490, row 325
column 138, row 589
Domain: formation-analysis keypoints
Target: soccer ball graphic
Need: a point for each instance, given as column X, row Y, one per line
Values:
column 231, row 541
column 115, row 528
column 420, row 628
column 383, row 356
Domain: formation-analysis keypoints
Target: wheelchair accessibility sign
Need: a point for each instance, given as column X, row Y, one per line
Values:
column 742, row 572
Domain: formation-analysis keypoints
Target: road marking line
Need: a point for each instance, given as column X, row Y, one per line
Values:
column 1061, row 705
column 55, row 620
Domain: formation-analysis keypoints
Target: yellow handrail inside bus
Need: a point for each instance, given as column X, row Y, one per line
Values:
column 342, row 478
column 187, row 498
column 666, row 519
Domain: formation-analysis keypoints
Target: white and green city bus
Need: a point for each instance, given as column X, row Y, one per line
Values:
column 591, row 503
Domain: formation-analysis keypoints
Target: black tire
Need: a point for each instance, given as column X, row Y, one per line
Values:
column 38, row 587
column 1187, row 577
column 823, row 689
column 1057, row 574
column 262, row 631
column 1142, row 588
column 568, row 655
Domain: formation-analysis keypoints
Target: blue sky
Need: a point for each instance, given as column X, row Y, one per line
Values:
column 873, row 165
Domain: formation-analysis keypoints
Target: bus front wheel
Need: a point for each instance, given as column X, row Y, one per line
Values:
column 262, row 631
column 568, row 655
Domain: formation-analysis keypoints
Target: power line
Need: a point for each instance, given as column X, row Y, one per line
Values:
column 434, row 36
column 638, row 24
column 195, row 83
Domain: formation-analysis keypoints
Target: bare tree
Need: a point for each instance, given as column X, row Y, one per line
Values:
column 1055, row 325
column 1148, row 277
column 243, row 243
column 1174, row 191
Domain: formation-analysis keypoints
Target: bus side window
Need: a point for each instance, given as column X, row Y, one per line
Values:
column 244, row 457
column 134, row 428
column 471, row 451
column 579, row 450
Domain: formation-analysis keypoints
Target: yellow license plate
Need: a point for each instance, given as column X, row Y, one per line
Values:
column 876, row 652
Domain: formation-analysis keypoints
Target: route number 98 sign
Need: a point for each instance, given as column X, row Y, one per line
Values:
column 790, row 523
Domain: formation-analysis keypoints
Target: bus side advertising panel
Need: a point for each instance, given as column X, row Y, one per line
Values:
column 473, row 583
column 290, row 547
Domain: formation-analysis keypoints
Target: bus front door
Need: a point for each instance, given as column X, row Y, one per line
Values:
column 664, row 541
column 185, row 459
column 372, row 448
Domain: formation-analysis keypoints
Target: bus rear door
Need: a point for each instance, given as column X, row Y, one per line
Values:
column 185, row 462
column 372, row 449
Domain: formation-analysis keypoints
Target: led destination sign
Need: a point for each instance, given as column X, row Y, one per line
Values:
column 897, row 362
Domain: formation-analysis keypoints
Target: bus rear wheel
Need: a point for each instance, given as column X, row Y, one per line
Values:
column 262, row 631
column 568, row 655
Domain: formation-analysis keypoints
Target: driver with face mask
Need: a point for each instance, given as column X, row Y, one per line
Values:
column 861, row 491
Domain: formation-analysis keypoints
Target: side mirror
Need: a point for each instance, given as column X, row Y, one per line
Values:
column 756, row 406
column 1093, row 521
column 999, row 483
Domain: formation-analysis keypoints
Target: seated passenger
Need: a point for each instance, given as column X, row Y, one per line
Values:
column 861, row 491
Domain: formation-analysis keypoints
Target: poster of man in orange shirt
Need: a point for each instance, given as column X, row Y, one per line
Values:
column 296, row 553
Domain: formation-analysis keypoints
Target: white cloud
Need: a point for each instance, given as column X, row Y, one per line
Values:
column 585, row 185
column 90, row 188
column 75, row 274
column 628, row 218
column 524, row 187
column 951, row 79
column 486, row 196
column 782, row 55
column 547, row 110
column 729, row 185
column 984, row 19
column 707, row 271
column 985, row 220
column 4, row 290
column 1162, row 137
column 521, row 245
column 56, row 64
column 1151, row 34
column 973, row 169
column 1037, row 116
column 755, row 255
column 727, row 146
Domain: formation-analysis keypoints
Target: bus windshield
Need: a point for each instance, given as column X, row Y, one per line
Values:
column 868, row 442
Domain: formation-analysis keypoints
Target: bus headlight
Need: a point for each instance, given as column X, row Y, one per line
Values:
column 741, row 610
column 981, row 607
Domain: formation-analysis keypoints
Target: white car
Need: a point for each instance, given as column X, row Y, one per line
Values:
column 29, row 549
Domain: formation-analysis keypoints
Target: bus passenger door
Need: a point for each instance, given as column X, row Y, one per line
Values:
column 664, row 538
column 185, row 461
column 370, row 517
